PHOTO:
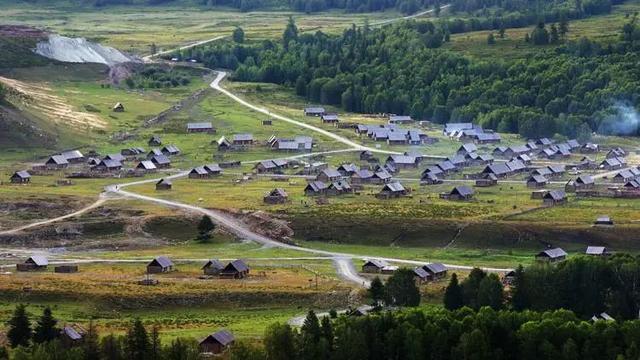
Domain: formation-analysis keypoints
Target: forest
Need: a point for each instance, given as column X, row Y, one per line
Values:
column 575, row 89
column 158, row 77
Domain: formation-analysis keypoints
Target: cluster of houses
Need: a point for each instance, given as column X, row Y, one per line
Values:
column 392, row 134
column 245, row 141
column 236, row 269
column 41, row 263
column 469, row 132
column 425, row 273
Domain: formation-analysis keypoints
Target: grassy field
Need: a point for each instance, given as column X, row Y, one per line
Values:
column 134, row 29
column 602, row 28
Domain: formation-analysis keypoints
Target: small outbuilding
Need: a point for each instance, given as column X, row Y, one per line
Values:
column 212, row 267
column 164, row 184
column 554, row 197
column 603, row 220
column 217, row 343
column 435, row 270
column 463, row 193
column 597, row 251
column 118, row 107
column 66, row 269
column 374, row 266
column 159, row 265
column 21, row 177
column 276, row 196
column 34, row 263
column 236, row 269
column 552, row 255
column 155, row 140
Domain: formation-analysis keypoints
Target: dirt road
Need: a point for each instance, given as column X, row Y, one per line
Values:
column 149, row 58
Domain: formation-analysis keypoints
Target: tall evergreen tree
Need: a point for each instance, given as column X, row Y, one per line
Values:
column 205, row 228
column 376, row 290
column 290, row 33
column 156, row 347
column 138, row 344
column 111, row 348
column 19, row 333
column 453, row 298
column 45, row 329
column 401, row 289
column 490, row 292
column 238, row 35
column 90, row 343
column 519, row 299
column 279, row 342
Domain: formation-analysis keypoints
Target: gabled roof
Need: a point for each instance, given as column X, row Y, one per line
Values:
column 462, row 190
column 164, row 182
column 363, row 174
column 331, row 173
column 110, row 164
column 280, row 162
column 23, row 174
column 200, row 170
column 468, row 147
column 57, row 159
column 172, row 149
column 223, row 337
column 39, row 260
column 278, row 192
column 585, row 179
column 155, row 151
column 555, row 195
column 435, row 268
column 116, row 157
column 557, row 169
column 146, row 164
column 595, row 250
column 382, row 175
column 553, row 253
column 399, row 118
column 316, row 186
column 402, row 159
column 542, row 171
column 236, row 265
column 538, row 179
column 160, row 159
column 446, row 165
column 330, row 117
column 397, row 136
column 421, row 273
column 515, row 165
column 73, row 154
column 162, row 261
column 348, row 168
column 498, row 169
column 376, row 262
column 213, row 168
column 393, row 187
column 314, row 110
column 213, row 263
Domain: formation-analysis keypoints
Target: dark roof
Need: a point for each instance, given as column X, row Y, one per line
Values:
column 237, row 265
column 435, row 268
column 376, row 262
column 555, row 195
column 462, row 190
column 538, row 179
column 278, row 192
column 161, row 159
column 421, row 273
column 553, row 253
column 200, row 170
column 213, row 263
column 393, row 187
column 585, row 179
column 164, row 182
column 498, row 169
column 316, row 186
column 163, row 261
column 213, row 168
column 57, row 159
column 223, row 337
column 469, row 147
column 116, row 157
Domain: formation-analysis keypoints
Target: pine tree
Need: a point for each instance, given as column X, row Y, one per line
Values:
column 19, row 333
column 45, row 329
column 519, row 299
column 327, row 332
column 90, row 343
column 490, row 292
column 279, row 342
column 111, row 348
column 238, row 35
column 290, row 33
column 205, row 228
column 376, row 291
column 563, row 28
column 401, row 289
column 137, row 341
column 554, row 36
column 156, row 346
column 453, row 298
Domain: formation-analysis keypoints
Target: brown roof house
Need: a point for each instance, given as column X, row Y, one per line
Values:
column 217, row 343
column 236, row 269
column 161, row 264
column 276, row 196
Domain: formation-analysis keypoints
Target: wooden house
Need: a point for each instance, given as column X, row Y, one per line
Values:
column 155, row 140
column 34, row 263
column 212, row 267
column 146, row 166
column 159, row 265
column 421, row 275
column 198, row 172
column 582, row 182
column 161, row 161
column 21, row 177
column 554, row 197
column 403, row 161
column 392, row 190
column 603, row 220
column 170, row 150
column 242, row 140
column 164, row 184
column 71, row 336
column 276, row 196
column 374, row 266
column 314, row 111
column 200, row 127
column 56, row 162
column 118, row 107
column 400, row 119
column 236, row 269
column 216, row 343
column 462, row 193
column 435, row 270
column 487, row 180
column 551, row 255
column 329, row 118
column 65, row 269
column 329, row 175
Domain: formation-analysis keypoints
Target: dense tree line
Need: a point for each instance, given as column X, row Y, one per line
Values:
column 158, row 77
column 42, row 341
column 587, row 286
column 572, row 90
column 442, row 335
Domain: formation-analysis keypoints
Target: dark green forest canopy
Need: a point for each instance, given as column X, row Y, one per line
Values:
column 573, row 90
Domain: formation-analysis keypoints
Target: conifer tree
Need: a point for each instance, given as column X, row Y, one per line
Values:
column 19, row 333
column 453, row 298
column 45, row 329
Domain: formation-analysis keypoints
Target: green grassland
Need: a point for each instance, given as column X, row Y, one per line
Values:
column 603, row 28
column 126, row 28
